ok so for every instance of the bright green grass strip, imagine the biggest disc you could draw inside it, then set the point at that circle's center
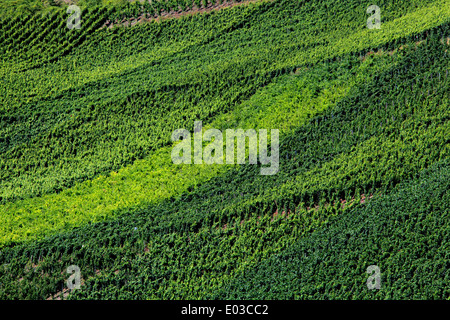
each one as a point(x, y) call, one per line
point(29, 173)
point(285, 104)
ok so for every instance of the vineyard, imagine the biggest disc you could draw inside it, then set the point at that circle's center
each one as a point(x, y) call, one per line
point(86, 176)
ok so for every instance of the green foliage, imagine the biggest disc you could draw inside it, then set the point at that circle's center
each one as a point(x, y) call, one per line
point(364, 126)
point(193, 245)
point(288, 102)
point(94, 106)
point(16, 8)
point(404, 233)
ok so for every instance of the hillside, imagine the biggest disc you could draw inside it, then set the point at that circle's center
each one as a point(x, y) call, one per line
point(87, 178)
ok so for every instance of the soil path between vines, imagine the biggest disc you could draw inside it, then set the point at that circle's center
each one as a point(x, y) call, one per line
point(179, 13)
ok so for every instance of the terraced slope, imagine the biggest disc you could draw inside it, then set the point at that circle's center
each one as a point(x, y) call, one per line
point(405, 233)
point(86, 174)
point(118, 96)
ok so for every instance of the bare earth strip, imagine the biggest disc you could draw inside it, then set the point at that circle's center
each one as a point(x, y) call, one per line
point(177, 14)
